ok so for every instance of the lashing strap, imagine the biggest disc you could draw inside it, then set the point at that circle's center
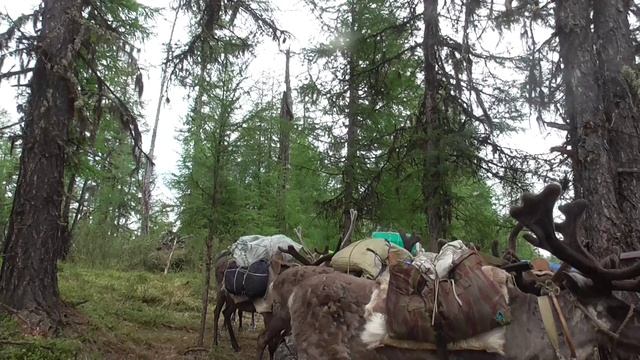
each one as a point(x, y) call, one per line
point(565, 327)
point(546, 312)
point(549, 322)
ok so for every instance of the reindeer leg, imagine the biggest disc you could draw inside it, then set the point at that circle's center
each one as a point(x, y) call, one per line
point(220, 302)
point(228, 311)
point(271, 335)
point(253, 321)
point(273, 346)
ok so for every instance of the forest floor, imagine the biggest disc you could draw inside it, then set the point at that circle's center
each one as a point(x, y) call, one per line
point(128, 315)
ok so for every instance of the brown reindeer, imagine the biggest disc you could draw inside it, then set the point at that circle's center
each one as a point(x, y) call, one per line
point(328, 311)
point(281, 288)
point(227, 304)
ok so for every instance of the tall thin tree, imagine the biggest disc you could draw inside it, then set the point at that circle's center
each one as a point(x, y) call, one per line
point(147, 181)
point(286, 123)
point(434, 178)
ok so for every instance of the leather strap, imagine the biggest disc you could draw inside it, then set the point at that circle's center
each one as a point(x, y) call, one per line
point(549, 322)
point(546, 311)
point(565, 328)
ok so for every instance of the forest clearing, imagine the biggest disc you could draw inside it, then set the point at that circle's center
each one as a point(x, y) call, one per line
point(370, 179)
point(125, 315)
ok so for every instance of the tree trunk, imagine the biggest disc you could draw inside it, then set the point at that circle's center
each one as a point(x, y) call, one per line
point(286, 122)
point(65, 241)
point(434, 187)
point(80, 207)
point(603, 129)
point(147, 181)
point(614, 51)
point(208, 244)
point(348, 174)
point(28, 279)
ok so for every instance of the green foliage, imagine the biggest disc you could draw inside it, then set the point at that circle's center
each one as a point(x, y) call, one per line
point(227, 183)
point(9, 162)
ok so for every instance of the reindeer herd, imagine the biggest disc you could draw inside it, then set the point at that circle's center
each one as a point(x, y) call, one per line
point(334, 315)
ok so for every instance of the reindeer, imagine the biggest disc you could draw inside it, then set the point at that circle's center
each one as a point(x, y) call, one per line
point(225, 303)
point(228, 305)
point(328, 311)
point(283, 285)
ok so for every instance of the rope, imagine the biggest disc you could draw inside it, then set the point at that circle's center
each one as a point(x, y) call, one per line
point(435, 302)
point(602, 327)
point(626, 320)
point(453, 286)
point(349, 257)
point(235, 276)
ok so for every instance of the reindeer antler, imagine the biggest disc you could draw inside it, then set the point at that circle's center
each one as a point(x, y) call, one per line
point(295, 254)
point(536, 213)
point(347, 236)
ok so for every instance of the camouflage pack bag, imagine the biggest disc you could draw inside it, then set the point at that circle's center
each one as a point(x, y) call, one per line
point(469, 302)
point(409, 305)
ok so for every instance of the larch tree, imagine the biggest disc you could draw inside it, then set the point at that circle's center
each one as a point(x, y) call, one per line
point(284, 146)
point(597, 53)
point(435, 190)
point(64, 55)
point(28, 279)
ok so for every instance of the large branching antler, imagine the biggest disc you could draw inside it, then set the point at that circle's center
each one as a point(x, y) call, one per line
point(304, 260)
point(295, 254)
point(536, 213)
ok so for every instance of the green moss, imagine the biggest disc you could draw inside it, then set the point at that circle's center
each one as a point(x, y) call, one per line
point(126, 314)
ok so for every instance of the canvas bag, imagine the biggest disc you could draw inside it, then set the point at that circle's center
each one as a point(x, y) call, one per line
point(409, 304)
point(251, 281)
point(356, 258)
point(251, 248)
point(482, 305)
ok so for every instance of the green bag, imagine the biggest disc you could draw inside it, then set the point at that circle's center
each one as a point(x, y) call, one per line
point(394, 238)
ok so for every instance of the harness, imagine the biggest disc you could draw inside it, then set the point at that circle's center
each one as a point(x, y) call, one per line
point(547, 303)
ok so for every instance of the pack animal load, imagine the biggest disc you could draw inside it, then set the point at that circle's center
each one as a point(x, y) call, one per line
point(251, 281)
point(251, 248)
point(366, 257)
point(448, 298)
point(248, 273)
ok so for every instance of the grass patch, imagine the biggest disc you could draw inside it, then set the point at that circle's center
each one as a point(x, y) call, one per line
point(128, 314)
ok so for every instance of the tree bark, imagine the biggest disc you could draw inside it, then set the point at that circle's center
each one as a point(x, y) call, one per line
point(603, 125)
point(614, 52)
point(434, 187)
point(286, 123)
point(208, 243)
point(28, 279)
point(348, 174)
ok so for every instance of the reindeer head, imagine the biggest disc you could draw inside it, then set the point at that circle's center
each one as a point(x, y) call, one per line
point(617, 320)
